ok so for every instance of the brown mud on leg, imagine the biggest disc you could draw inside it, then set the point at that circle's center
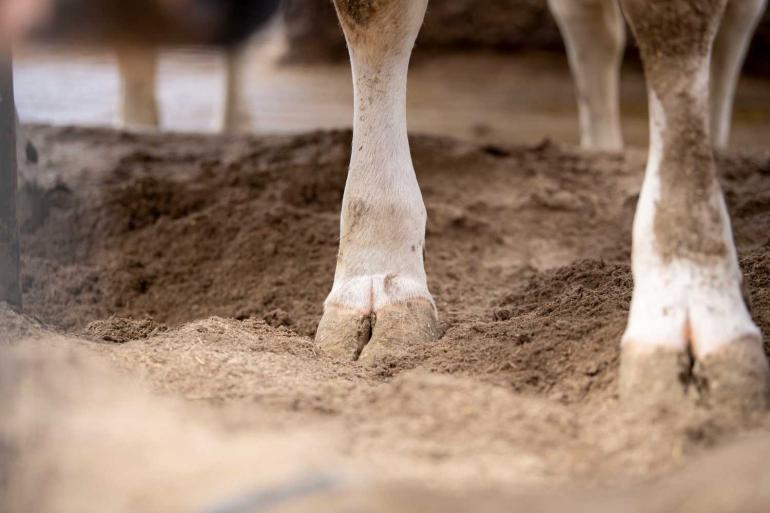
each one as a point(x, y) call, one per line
point(379, 304)
point(687, 296)
point(356, 14)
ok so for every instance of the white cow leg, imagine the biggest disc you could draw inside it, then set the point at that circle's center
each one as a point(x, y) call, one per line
point(137, 68)
point(688, 323)
point(235, 114)
point(379, 305)
point(595, 37)
point(740, 20)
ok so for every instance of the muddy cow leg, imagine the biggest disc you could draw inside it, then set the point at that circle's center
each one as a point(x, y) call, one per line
point(687, 300)
point(595, 36)
point(379, 304)
point(740, 20)
point(137, 68)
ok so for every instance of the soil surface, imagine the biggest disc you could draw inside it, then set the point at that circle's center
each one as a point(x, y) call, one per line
point(174, 282)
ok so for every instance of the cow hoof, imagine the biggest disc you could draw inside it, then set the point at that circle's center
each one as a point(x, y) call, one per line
point(343, 332)
point(373, 338)
point(399, 327)
point(653, 378)
point(735, 376)
point(690, 334)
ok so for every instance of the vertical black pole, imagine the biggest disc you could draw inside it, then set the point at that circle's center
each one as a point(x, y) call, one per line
point(10, 268)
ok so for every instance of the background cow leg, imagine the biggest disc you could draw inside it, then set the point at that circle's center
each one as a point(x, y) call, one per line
point(687, 299)
point(379, 304)
point(137, 68)
point(595, 36)
point(740, 20)
point(10, 267)
point(235, 112)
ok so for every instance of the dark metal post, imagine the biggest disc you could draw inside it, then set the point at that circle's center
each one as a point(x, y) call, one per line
point(10, 266)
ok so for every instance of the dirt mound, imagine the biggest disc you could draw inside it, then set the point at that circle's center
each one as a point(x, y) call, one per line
point(102, 440)
point(120, 329)
point(527, 248)
point(229, 245)
point(556, 335)
point(169, 234)
point(138, 231)
point(15, 326)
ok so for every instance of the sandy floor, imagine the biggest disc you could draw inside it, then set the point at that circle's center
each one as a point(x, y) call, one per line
point(490, 98)
point(175, 281)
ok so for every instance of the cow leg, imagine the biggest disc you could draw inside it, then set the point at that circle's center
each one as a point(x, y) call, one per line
point(234, 117)
point(740, 20)
point(10, 266)
point(595, 36)
point(687, 300)
point(137, 68)
point(379, 304)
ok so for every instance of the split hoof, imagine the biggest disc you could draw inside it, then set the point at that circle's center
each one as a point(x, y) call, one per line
point(734, 377)
point(372, 338)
